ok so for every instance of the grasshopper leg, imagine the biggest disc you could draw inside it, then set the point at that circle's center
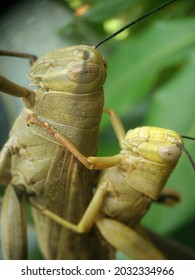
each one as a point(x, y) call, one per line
point(118, 235)
point(13, 226)
point(89, 162)
point(4, 159)
point(14, 89)
point(116, 124)
point(127, 240)
point(89, 217)
point(32, 58)
point(169, 197)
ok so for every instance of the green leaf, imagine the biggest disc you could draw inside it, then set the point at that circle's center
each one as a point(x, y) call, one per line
point(102, 10)
point(173, 103)
point(134, 68)
point(173, 107)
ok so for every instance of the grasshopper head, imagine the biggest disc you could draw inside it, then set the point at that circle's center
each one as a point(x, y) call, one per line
point(150, 155)
point(154, 144)
point(76, 69)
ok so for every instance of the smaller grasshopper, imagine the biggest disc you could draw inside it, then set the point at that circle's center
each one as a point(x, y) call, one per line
point(125, 192)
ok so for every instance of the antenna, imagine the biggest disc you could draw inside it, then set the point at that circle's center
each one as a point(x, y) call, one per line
point(188, 137)
point(187, 154)
point(186, 151)
point(133, 23)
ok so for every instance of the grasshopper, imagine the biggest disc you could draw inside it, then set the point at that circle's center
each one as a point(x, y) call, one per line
point(125, 191)
point(68, 81)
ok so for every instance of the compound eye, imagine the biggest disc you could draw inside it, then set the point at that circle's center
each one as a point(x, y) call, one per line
point(169, 153)
point(80, 73)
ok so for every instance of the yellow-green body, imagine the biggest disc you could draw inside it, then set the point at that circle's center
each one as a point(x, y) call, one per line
point(142, 173)
point(70, 98)
point(148, 156)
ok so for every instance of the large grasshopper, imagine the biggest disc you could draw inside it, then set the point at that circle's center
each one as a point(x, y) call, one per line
point(125, 191)
point(42, 167)
point(49, 175)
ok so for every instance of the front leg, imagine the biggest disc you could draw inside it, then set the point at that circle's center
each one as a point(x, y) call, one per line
point(89, 162)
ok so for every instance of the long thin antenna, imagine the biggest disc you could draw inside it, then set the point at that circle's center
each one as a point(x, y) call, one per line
point(188, 137)
point(186, 151)
point(133, 23)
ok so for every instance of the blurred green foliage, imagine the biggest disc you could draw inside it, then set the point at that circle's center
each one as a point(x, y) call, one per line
point(150, 81)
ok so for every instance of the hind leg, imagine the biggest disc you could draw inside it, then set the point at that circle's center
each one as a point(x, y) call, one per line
point(127, 240)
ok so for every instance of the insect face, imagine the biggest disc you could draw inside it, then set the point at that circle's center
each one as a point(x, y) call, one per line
point(155, 144)
point(76, 69)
